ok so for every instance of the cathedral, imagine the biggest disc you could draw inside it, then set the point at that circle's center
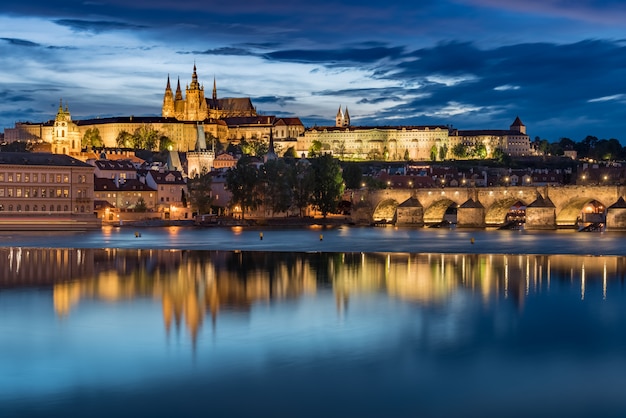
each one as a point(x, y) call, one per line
point(195, 107)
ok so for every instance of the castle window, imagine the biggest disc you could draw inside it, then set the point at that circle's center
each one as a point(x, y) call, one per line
point(43, 208)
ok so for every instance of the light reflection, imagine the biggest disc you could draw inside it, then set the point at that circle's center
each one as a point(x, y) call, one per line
point(195, 285)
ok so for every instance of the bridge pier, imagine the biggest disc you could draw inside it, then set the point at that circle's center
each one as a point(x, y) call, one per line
point(470, 214)
point(616, 216)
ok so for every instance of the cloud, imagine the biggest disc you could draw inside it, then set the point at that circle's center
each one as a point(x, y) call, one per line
point(96, 26)
point(341, 55)
point(604, 11)
point(227, 51)
point(606, 98)
point(20, 42)
point(282, 101)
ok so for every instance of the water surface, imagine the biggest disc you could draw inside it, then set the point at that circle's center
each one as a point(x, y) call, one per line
point(141, 332)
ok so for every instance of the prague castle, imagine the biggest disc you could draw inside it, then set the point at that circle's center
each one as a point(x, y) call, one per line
point(195, 107)
point(235, 119)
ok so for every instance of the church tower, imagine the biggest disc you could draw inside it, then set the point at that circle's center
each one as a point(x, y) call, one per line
point(343, 118)
point(195, 104)
point(66, 137)
point(518, 126)
point(168, 101)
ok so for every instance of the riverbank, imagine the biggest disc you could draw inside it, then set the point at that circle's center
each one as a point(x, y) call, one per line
point(230, 222)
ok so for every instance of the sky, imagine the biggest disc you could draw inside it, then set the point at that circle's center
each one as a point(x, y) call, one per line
point(560, 65)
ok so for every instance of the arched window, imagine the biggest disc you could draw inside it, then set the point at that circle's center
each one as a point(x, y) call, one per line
point(10, 208)
point(27, 208)
point(19, 208)
point(58, 208)
point(82, 209)
point(65, 208)
point(35, 208)
point(43, 208)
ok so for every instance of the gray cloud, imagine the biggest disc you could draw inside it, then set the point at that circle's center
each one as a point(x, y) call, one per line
point(96, 26)
point(20, 42)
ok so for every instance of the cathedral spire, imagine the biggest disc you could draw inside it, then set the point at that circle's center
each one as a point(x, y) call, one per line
point(179, 93)
point(168, 87)
point(194, 78)
point(214, 89)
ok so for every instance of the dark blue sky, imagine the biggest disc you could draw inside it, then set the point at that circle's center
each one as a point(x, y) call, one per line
point(560, 65)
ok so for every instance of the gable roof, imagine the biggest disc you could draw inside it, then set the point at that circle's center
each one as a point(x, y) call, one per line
point(40, 159)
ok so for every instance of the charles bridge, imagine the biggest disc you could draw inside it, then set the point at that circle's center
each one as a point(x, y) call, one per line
point(542, 207)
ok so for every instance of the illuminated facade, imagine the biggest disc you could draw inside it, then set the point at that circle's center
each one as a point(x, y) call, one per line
point(379, 142)
point(46, 191)
point(195, 107)
point(410, 142)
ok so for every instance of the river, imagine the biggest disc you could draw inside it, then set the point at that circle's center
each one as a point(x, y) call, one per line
point(312, 322)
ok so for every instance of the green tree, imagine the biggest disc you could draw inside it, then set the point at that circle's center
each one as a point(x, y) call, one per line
point(352, 175)
point(243, 183)
point(145, 137)
point(165, 143)
point(92, 138)
point(443, 152)
point(290, 153)
point(328, 184)
point(141, 206)
point(199, 191)
point(479, 151)
point(433, 153)
point(254, 147)
point(501, 157)
point(277, 193)
point(124, 139)
point(315, 150)
point(302, 182)
point(459, 150)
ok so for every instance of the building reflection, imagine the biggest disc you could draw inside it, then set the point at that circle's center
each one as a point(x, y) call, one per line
point(195, 287)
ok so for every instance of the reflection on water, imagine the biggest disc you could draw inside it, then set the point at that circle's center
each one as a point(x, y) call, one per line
point(194, 285)
point(138, 332)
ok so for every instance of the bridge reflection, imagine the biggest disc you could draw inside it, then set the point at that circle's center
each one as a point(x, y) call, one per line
point(196, 286)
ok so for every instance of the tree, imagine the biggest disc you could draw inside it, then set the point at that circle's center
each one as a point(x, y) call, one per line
point(92, 138)
point(301, 185)
point(165, 143)
point(352, 175)
point(501, 157)
point(254, 147)
point(328, 184)
point(275, 176)
point(315, 150)
point(443, 152)
point(290, 153)
point(243, 183)
point(199, 191)
point(145, 137)
point(479, 151)
point(124, 139)
point(433, 153)
point(459, 150)
point(141, 206)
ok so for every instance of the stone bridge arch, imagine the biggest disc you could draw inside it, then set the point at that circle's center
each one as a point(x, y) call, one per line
point(385, 210)
point(495, 215)
point(569, 215)
point(436, 211)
